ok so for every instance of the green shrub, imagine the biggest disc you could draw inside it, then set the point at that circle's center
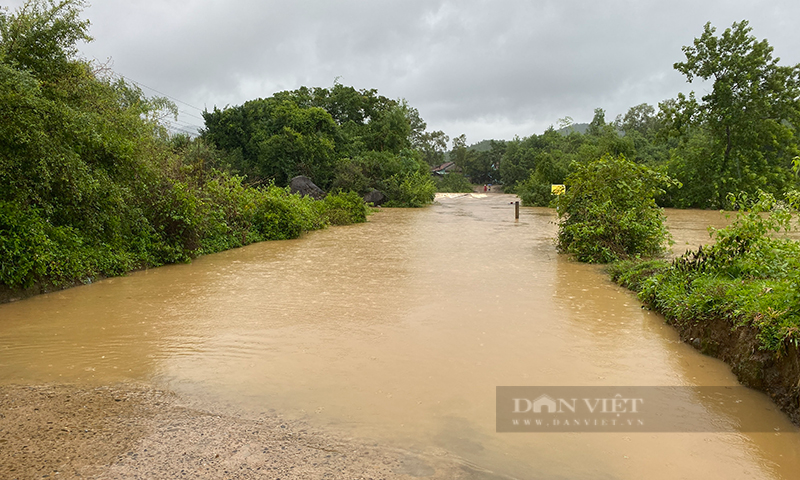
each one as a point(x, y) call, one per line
point(453, 183)
point(92, 184)
point(534, 193)
point(609, 213)
point(410, 190)
point(24, 245)
point(404, 178)
point(632, 273)
point(344, 208)
point(273, 215)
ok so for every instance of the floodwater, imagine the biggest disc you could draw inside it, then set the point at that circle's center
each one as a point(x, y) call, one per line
point(398, 331)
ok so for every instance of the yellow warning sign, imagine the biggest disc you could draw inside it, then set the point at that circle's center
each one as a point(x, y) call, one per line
point(557, 189)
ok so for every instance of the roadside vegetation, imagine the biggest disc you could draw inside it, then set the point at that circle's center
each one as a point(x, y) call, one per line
point(735, 148)
point(341, 138)
point(750, 276)
point(453, 183)
point(92, 184)
point(609, 211)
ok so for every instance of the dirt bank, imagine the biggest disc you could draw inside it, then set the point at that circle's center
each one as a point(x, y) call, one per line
point(776, 374)
point(131, 431)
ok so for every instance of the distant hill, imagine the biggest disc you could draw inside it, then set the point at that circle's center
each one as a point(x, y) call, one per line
point(482, 146)
point(486, 145)
point(575, 127)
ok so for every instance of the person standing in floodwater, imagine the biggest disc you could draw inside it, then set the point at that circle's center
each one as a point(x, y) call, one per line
point(490, 187)
point(484, 188)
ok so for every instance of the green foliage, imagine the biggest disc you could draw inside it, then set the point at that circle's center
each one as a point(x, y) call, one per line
point(275, 139)
point(344, 208)
point(740, 137)
point(414, 189)
point(749, 276)
point(404, 178)
point(453, 183)
point(743, 134)
point(341, 138)
point(481, 161)
point(534, 192)
point(609, 213)
point(90, 184)
point(432, 146)
point(633, 273)
point(42, 36)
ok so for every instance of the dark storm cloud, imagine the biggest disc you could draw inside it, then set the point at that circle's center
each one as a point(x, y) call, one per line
point(484, 68)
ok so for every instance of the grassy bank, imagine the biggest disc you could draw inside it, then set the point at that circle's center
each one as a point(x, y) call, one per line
point(182, 220)
point(738, 300)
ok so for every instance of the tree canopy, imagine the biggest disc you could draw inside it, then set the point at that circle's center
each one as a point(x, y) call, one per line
point(742, 135)
point(334, 136)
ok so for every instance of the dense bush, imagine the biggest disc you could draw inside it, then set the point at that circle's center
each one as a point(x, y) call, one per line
point(609, 213)
point(342, 138)
point(344, 208)
point(453, 183)
point(404, 178)
point(535, 193)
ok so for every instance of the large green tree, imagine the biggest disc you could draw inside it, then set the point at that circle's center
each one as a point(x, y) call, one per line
point(276, 139)
point(310, 130)
point(742, 135)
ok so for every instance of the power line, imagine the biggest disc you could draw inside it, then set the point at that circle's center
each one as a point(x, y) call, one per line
point(190, 115)
point(175, 129)
point(161, 93)
point(184, 124)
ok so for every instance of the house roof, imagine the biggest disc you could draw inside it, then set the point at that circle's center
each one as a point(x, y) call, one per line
point(443, 167)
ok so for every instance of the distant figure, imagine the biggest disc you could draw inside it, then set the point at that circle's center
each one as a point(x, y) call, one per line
point(490, 187)
point(484, 188)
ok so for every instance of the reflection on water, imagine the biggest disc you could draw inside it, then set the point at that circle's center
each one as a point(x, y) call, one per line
point(399, 330)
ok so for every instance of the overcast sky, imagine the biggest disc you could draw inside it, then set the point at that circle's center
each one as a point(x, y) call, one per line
point(488, 69)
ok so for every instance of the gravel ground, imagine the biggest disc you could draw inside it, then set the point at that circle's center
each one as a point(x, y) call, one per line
point(136, 432)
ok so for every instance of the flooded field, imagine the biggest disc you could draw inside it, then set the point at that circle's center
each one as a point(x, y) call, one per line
point(398, 331)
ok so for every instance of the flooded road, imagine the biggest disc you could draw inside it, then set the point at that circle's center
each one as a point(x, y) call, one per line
point(399, 331)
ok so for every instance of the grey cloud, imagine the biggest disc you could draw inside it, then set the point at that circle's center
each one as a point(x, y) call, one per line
point(484, 68)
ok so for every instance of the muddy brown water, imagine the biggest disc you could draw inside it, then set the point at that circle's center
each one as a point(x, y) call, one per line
point(398, 331)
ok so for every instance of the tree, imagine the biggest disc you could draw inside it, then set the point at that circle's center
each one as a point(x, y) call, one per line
point(459, 152)
point(42, 36)
point(432, 146)
point(276, 139)
point(481, 167)
point(640, 118)
point(643, 128)
point(750, 118)
point(311, 130)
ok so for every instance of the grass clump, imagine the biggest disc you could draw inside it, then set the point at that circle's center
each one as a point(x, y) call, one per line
point(750, 276)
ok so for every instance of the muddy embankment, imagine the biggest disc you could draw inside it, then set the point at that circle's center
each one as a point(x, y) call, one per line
point(776, 374)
